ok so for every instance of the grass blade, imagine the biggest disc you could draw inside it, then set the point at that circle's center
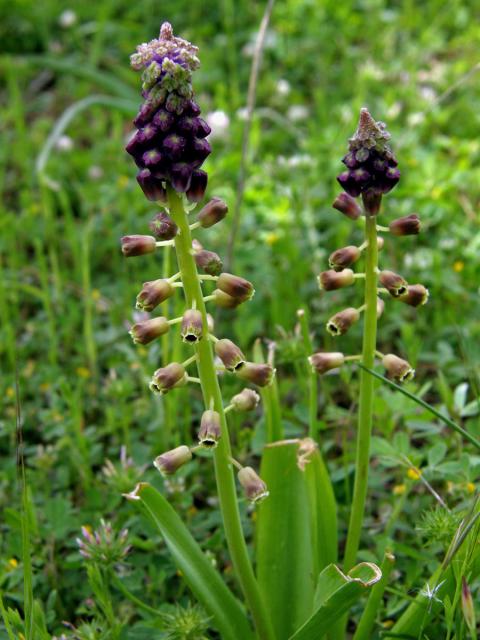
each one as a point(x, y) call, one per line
point(456, 427)
point(204, 581)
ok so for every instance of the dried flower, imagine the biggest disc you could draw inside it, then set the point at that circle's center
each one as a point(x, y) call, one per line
point(235, 286)
point(406, 226)
point(348, 206)
point(231, 355)
point(170, 461)
point(192, 326)
point(323, 362)
point(254, 487)
point(167, 378)
point(397, 369)
point(344, 257)
point(395, 284)
point(210, 429)
point(137, 245)
point(153, 293)
point(146, 331)
point(341, 322)
point(416, 295)
point(258, 373)
point(246, 400)
point(208, 261)
point(214, 211)
point(330, 280)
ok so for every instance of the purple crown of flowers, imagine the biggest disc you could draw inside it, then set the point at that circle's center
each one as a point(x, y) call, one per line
point(170, 144)
point(371, 164)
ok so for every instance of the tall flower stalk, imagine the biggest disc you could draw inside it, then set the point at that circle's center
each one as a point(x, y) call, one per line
point(169, 149)
point(371, 172)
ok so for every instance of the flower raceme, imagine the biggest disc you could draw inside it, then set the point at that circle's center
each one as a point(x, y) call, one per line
point(169, 148)
point(372, 172)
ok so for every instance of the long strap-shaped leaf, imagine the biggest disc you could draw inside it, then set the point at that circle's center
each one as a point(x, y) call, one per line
point(285, 553)
point(335, 595)
point(205, 582)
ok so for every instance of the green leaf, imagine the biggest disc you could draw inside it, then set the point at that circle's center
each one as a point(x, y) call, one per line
point(336, 593)
point(323, 508)
point(285, 560)
point(228, 615)
point(437, 454)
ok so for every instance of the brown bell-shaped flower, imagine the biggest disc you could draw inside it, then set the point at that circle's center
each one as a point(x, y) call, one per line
point(397, 369)
point(348, 206)
point(344, 257)
point(170, 461)
point(331, 280)
point(192, 326)
point(210, 429)
point(341, 322)
point(153, 293)
point(246, 400)
point(323, 362)
point(257, 373)
point(394, 283)
point(137, 245)
point(255, 488)
point(416, 295)
point(167, 378)
point(406, 226)
point(231, 355)
point(235, 286)
point(146, 331)
point(214, 211)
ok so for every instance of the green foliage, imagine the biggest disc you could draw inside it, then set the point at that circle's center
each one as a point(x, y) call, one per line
point(66, 296)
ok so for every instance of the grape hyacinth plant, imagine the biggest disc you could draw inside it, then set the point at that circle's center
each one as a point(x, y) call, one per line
point(371, 172)
point(169, 148)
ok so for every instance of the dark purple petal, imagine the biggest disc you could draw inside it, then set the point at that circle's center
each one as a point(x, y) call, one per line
point(203, 128)
point(180, 176)
point(164, 120)
point(201, 149)
point(174, 146)
point(152, 187)
point(198, 186)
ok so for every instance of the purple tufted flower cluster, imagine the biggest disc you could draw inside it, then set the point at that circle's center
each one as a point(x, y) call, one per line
point(371, 164)
point(170, 143)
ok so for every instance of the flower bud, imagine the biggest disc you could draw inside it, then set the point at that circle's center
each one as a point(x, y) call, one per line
point(231, 355)
point(210, 323)
point(145, 332)
point(372, 201)
point(341, 322)
point(210, 429)
point(208, 261)
point(397, 369)
point(225, 300)
point(170, 461)
point(254, 487)
point(192, 326)
point(153, 293)
point(406, 226)
point(151, 186)
point(348, 206)
point(323, 362)
point(468, 607)
point(380, 307)
point(198, 185)
point(257, 373)
point(212, 212)
point(330, 280)
point(394, 283)
point(168, 378)
point(181, 176)
point(342, 258)
point(163, 227)
point(173, 146)
point(235, 286)
point(246, 400)
point(415, 296)
point(137, 245)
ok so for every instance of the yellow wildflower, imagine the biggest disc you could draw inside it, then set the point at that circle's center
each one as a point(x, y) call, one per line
point(398, 489)
point(413, 473)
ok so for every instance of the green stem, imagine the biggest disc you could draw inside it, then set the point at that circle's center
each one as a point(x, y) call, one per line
point(211, 391)
point(312, 377)
point(365, 408)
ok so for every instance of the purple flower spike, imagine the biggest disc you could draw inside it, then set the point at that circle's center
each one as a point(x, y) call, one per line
point(203, 128)
point(198, 186)
point(201, 149)
point(181, 176)
point(187, 125)
point(152, 187)
point(152, 159)
point(163, 120)
point(371, 163)
point(174, 146)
